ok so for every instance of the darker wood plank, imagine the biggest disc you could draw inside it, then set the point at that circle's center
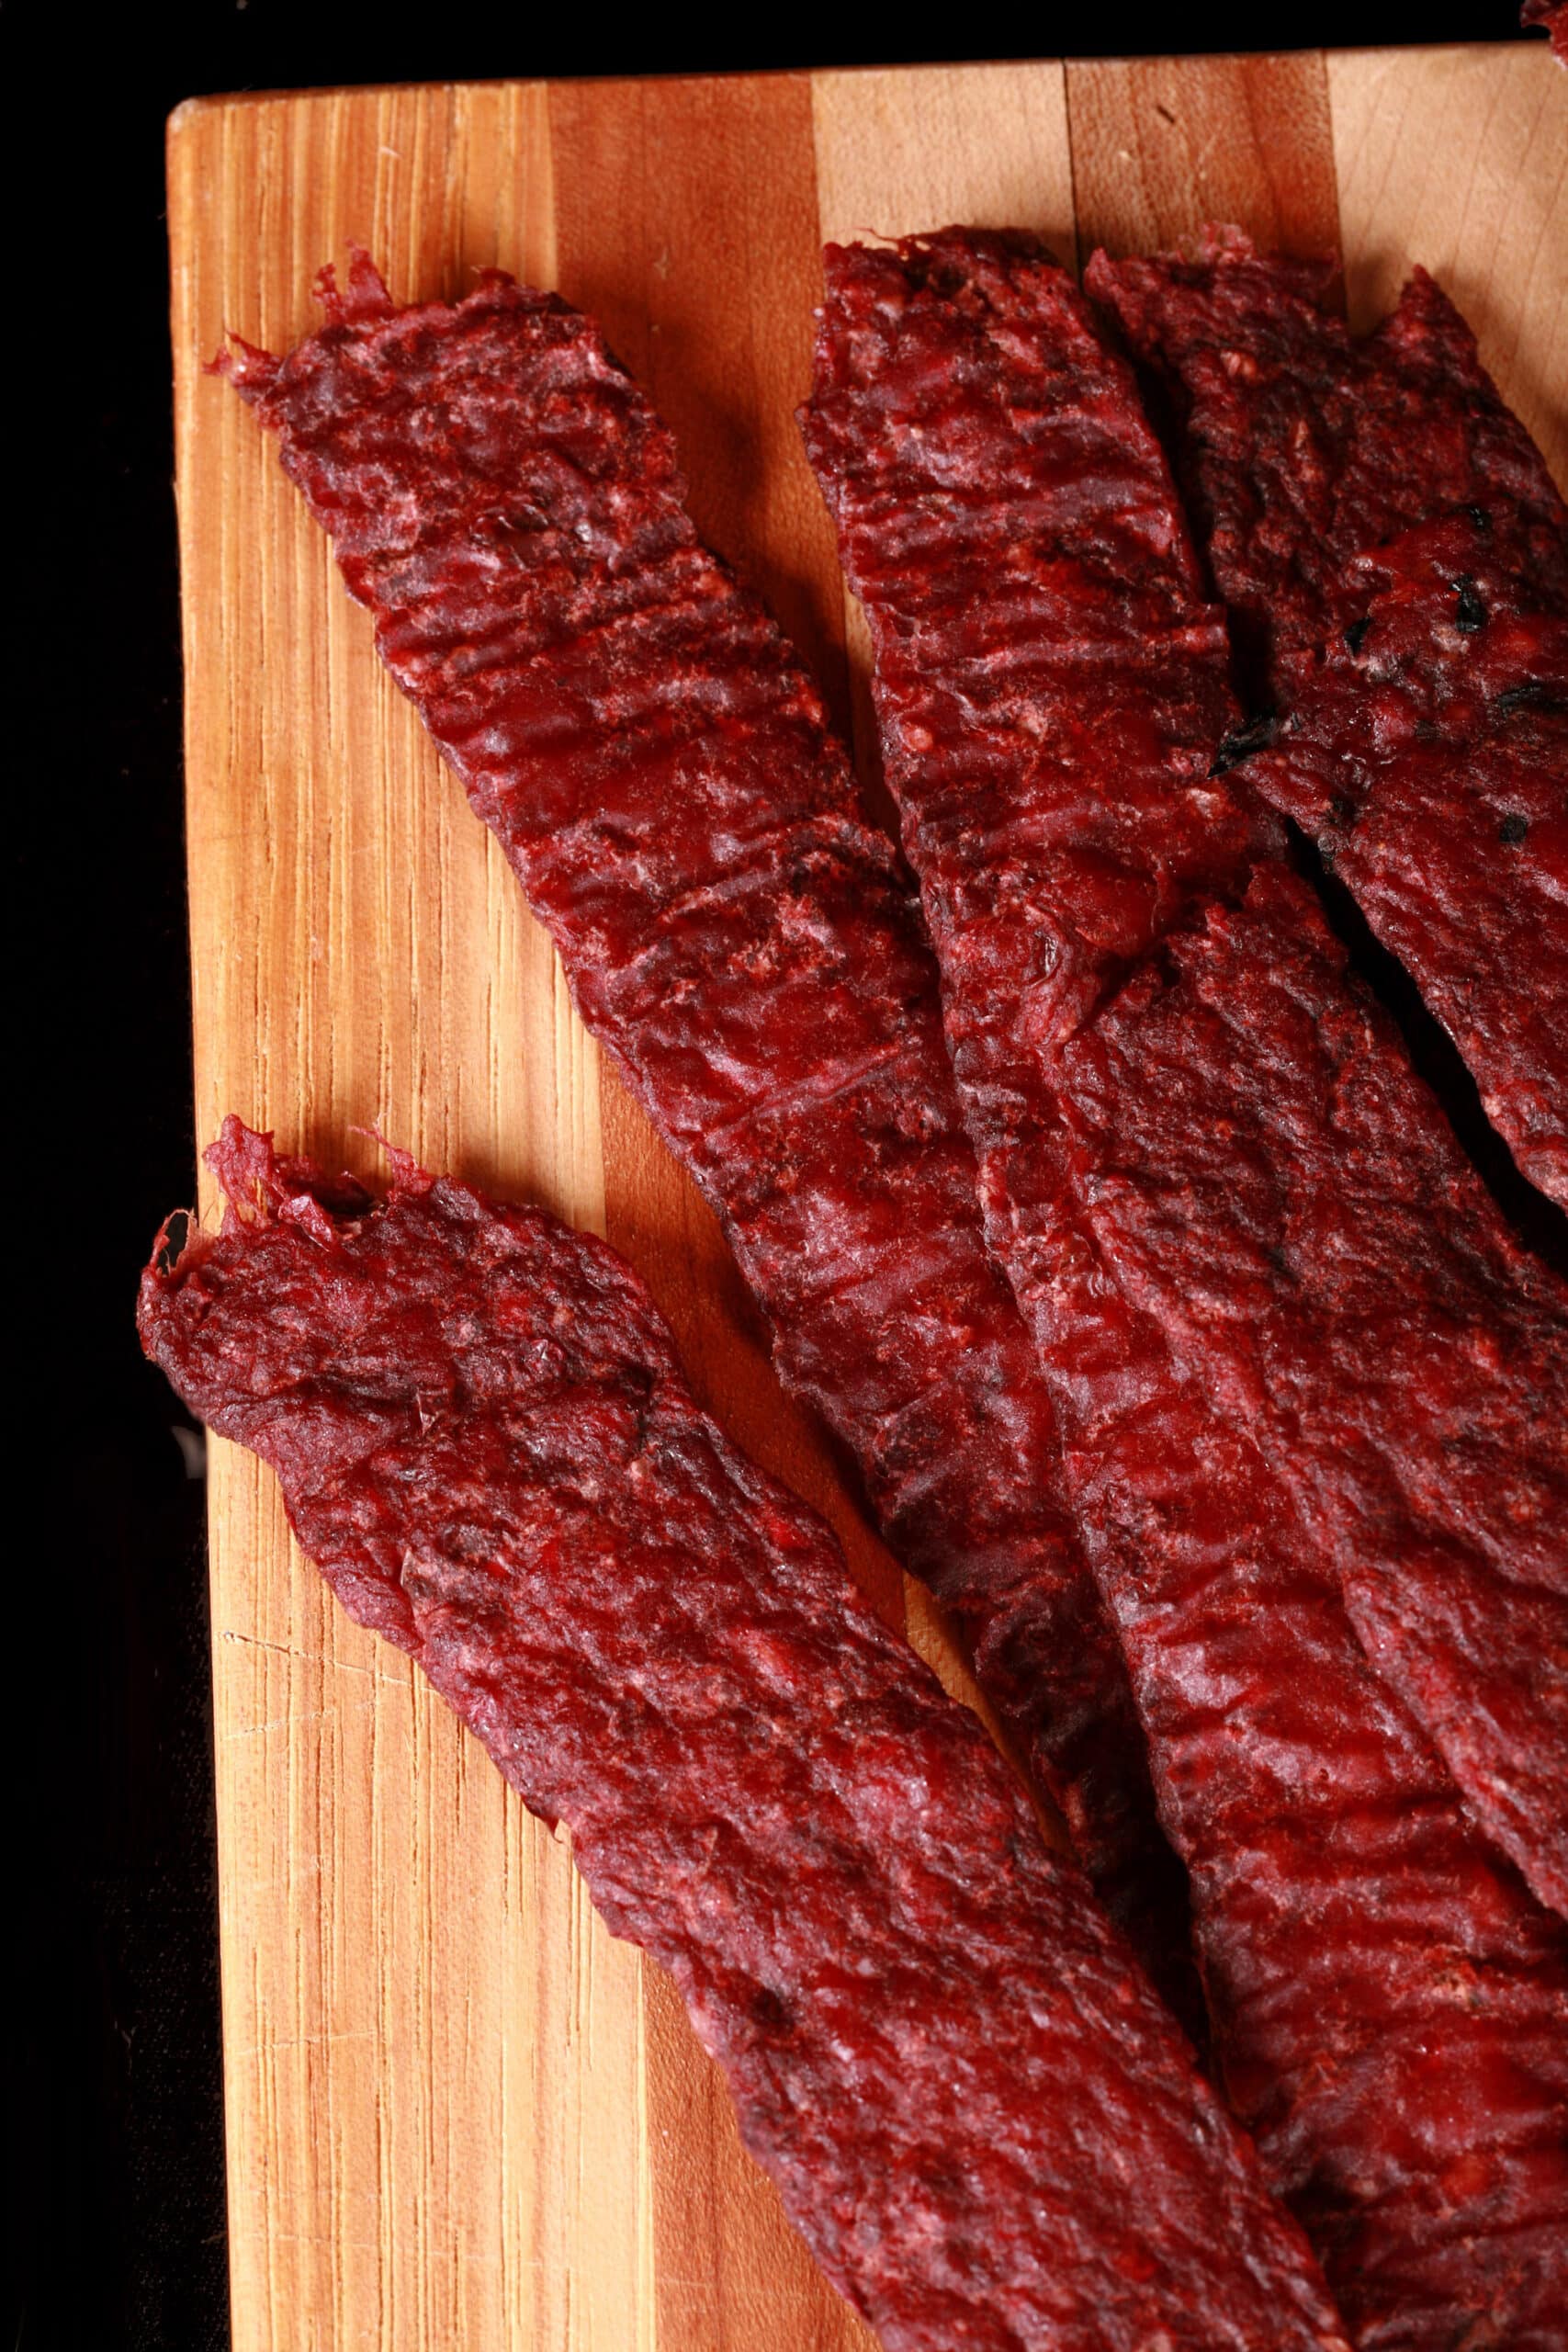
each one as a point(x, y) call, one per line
point(686, 220)
point(1162, 145)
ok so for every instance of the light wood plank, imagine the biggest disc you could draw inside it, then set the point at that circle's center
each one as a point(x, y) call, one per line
point(436, 2129)
point(910, 148)
point(1458, 159)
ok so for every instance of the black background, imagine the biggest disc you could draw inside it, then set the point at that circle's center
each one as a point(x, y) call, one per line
point(115, 2204)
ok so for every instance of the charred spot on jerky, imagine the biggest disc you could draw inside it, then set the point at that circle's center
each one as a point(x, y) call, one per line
point(1530, 694)
point(772, 2011)
point(1471, 612)
point(1480, 517)
point(1513, 828)
point(1342, 814)
point(1242, 742)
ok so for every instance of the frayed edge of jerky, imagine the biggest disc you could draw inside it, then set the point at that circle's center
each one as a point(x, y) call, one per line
point(262, 1186)
point(246, 366)
point(365, 296)
point(361, 301)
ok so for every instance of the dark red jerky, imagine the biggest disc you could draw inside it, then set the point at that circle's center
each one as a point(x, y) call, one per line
point(658, 769)
point(1552, 18)
point(1426, 752)
point(1396, 549)
point(1185, 1122)
point(1370, 1236)
point(981, 2119)
point(1305, 449)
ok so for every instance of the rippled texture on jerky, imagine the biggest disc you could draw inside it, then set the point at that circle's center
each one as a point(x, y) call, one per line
point(1173, 1096)
point(658, 769)
point(1307, 448)
point(1076, 673)
point(1397, 553)
point(982, 2121)
point(1426, 752)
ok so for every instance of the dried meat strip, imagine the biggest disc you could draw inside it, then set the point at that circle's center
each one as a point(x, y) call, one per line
point(944, 2056)
point(1205, 1168)
point(1397, 553)
point(1103, 837)
point(658, 769)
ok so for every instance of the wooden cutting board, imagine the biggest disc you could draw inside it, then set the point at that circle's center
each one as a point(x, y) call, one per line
point(458, 2113)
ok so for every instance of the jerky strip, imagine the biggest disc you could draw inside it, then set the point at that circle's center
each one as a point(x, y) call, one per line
point(1334, 1223)
point(948, 2060)
point(1171, 1090)
point(657, 767)
point(1397, 553)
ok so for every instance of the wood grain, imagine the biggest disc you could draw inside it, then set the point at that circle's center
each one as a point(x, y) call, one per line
point(1162, 145)
point(906, 149)
point(459, 2113)
point(436, 2119)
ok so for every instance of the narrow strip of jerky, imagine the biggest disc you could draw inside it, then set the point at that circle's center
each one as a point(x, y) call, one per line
point(658, 769)
point(1216, 1188)
point(981, 2119)
point(1397, 554)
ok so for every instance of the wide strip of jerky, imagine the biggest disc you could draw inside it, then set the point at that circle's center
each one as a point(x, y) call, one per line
point(1396, 554)
point(1178, 1104)
point(981, 2119)
point(658, 769)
